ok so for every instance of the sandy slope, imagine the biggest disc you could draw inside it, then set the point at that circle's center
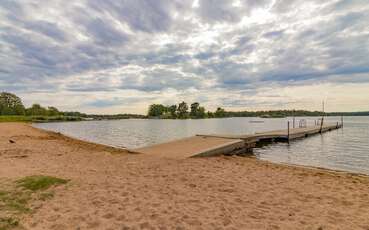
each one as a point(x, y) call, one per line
point(125, 191)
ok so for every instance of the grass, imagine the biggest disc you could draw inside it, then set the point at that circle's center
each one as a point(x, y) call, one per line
point(15, 119)
point(17, 197)
point(5, 118)
point(15, 201)
point(35, 183)
point(8, 223)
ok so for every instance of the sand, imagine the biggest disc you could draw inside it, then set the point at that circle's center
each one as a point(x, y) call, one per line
point(111, 189)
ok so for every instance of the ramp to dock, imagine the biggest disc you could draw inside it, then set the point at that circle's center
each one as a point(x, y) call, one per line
point(192, 147)
point(213, 145)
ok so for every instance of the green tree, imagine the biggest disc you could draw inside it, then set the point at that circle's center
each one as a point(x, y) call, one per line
point(201, 113)
point(194, 109)
point(197, 111)
point(52, 111)
point(182, 110)
point(210, 114)
point(172, 110)
point(219, 112)
point(156, 110)
point(10, 104)
point(36, 110)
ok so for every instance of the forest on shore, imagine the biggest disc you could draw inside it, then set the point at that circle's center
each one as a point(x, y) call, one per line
point(12, 109)
point(195, 111)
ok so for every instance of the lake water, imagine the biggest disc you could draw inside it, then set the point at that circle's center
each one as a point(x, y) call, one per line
point(344, 149)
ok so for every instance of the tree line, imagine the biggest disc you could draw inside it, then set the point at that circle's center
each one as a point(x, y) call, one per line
point(182, 111)
point(11, 104)
point(195, 111)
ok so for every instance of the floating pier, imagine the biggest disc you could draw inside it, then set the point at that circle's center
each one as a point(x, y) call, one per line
point(213, 145)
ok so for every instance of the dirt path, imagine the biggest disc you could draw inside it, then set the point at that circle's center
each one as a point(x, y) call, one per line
point(111, 189)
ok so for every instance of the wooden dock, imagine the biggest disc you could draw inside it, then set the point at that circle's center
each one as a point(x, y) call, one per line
point(213, 145)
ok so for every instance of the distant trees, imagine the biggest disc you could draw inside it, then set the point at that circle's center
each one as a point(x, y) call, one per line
point(35, 110)
point(52, 111)
point(10, 104)
point(220, 112)
point(182, 110)
point(197, 111)
point(156, 110)
point(173, 111)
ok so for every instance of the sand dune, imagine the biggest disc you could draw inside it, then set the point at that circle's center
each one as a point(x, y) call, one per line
point(111, 189)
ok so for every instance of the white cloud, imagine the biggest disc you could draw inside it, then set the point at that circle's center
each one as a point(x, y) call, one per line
point(109, 56)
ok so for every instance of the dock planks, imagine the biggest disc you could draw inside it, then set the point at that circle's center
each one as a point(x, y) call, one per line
point(193, 146)
point(213, 145)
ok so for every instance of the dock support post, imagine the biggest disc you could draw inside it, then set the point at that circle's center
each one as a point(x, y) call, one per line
point(342, 121)
point(321, 124)
point(288, 131)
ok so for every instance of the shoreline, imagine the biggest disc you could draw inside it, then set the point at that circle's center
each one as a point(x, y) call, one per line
point(80, 141)
point(129, 151)
point(109, 190)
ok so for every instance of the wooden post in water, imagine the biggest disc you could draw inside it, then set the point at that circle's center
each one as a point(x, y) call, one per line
point(321, 123)
point(342, 121)
point(288, 131)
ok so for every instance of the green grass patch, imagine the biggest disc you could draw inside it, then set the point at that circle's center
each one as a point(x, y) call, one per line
point(14, 201)
point(5, 118)
point(19, 197)
point(15, 119)
point(8, 223)
point(35, 183)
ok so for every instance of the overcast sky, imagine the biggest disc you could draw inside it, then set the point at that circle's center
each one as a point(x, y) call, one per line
point(119, 56)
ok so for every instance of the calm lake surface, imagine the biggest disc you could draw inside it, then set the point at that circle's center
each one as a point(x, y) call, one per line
point(344, 149)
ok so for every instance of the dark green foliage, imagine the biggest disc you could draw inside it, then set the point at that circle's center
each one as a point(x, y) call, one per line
point(10, 104)
point(73, 114)
point(197, 111)
point(36, 110)
point(194, 109)
point(173, 111)
point(220, 113)
point(182, 110)
point(12, 110)
point(52, 111)
point(156, 110)
point(113, 117)
point(210, 114)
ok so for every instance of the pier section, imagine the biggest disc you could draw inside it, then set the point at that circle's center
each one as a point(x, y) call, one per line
point(213, 145)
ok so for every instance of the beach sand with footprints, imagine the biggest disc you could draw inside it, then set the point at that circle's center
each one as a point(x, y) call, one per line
point(111, 189)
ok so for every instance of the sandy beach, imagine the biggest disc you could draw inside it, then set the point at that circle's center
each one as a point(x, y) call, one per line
point(112, 189)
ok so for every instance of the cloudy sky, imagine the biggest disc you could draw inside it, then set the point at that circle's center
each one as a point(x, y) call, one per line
point(116, 56)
